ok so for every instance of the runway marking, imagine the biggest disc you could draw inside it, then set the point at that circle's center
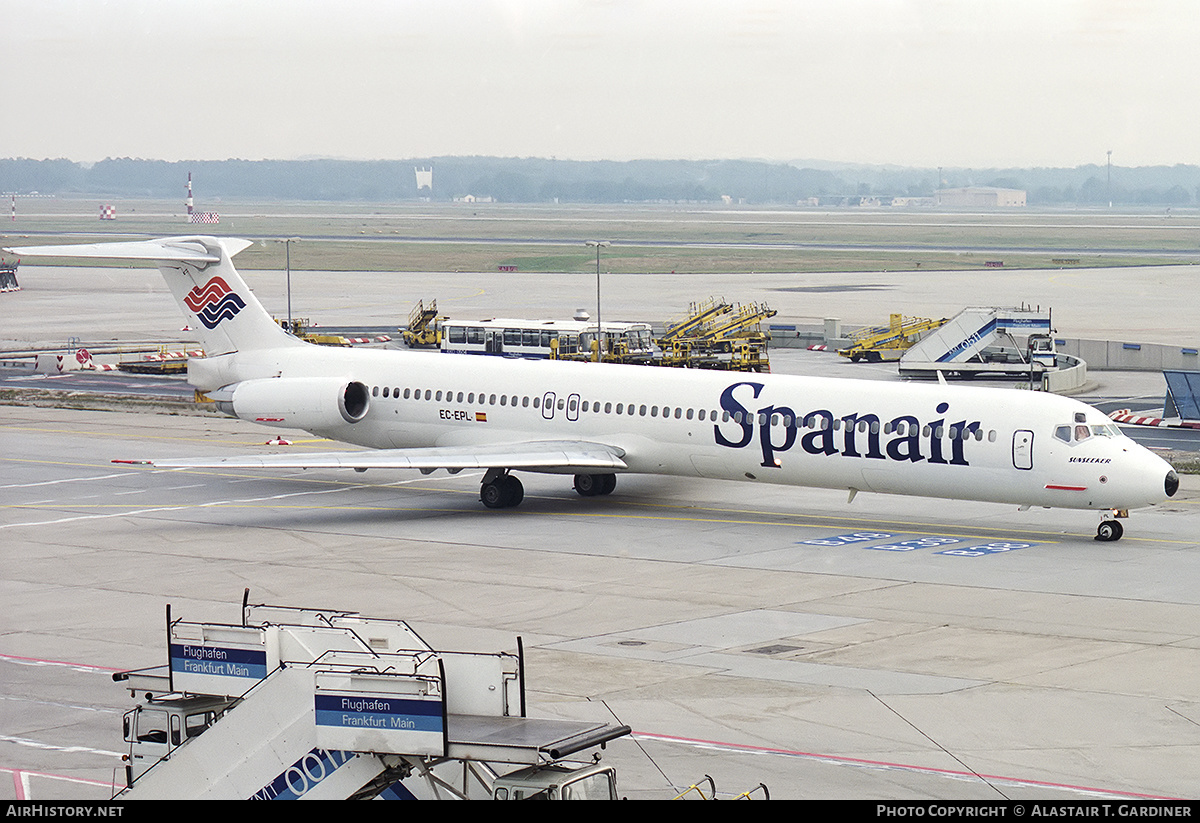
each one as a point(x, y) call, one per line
point(35, 744)
point(67, 480)
point(238, 440)
point(211, 504)
point(21, 780)
point(35, 661)
point(886, 765)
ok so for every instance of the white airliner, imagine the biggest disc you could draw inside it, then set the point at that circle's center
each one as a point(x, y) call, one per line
point(432, 411)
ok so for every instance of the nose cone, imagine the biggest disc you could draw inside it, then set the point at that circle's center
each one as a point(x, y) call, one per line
point(1171, 485)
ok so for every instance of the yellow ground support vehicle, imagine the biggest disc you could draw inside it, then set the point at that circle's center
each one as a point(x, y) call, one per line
point(878, 343)
point(424, 329)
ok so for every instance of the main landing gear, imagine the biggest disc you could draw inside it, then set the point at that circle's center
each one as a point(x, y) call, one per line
point(501, 490)
point(1110, 528)
point(590, 485)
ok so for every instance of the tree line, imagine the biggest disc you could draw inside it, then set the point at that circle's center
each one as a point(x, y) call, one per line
point(536, 180)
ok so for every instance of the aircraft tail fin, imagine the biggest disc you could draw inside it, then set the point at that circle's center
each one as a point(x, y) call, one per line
point(199, 271)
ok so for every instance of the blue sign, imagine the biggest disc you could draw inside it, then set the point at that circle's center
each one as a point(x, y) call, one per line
point(218, 661)
point(359, 711)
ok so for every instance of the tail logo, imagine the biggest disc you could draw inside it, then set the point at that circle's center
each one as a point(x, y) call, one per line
point(214, 302)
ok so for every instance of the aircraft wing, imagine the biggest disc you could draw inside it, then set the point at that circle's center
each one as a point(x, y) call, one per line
point(545, 455)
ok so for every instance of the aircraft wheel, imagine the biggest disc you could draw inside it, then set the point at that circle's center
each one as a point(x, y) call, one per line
point(589, 485)
point(1109, 530)
point(493, 494)
point(502, 493)
point(514, 491)
point(609, 482)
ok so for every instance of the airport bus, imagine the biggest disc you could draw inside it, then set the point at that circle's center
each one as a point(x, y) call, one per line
point(544, 339)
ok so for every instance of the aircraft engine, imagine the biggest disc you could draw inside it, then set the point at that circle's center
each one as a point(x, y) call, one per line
point(309, 403)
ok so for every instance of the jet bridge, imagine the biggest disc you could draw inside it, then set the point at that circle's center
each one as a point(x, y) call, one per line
point(985, 340)
point(319, 704)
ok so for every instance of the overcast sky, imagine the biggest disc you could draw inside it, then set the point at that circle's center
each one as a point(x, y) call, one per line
point(975, 83)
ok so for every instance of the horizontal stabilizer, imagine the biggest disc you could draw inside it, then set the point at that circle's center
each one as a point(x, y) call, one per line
point(168, 249)
point(533, 456)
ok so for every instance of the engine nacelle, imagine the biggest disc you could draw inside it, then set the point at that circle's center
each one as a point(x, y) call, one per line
point(310, 403)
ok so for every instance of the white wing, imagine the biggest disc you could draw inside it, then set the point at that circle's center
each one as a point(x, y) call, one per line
point(545, 455)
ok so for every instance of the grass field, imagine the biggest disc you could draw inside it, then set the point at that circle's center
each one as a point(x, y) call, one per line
point(645, 238)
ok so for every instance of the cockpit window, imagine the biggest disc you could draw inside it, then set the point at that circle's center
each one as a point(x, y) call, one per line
point(1080, 432)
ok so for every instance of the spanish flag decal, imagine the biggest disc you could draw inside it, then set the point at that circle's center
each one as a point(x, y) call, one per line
point(480, 417)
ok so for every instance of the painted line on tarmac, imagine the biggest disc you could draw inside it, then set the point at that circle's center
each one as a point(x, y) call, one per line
point(886, 765)
point(211, 504)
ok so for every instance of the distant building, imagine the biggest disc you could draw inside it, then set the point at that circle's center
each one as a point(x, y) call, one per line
point(980, 197)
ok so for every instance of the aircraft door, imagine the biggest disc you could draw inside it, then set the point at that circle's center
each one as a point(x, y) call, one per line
point(548, 405)
point(573, 407)
point(1022, 449)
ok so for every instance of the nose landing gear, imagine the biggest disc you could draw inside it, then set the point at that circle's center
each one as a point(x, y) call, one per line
point(1110, 528)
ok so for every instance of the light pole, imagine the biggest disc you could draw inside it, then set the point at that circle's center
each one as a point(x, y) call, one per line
point(599, 244)
point(287, 245)
point(1108, 179)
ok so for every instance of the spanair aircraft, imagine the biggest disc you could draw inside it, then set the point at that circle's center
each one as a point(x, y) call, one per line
point(429, 411)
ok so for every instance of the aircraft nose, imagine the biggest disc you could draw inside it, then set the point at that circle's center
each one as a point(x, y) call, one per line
point(1172, 483)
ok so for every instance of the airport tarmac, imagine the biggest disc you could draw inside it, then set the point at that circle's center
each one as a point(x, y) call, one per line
point(1141, 305)
point(893, 648)
point(753, 633)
